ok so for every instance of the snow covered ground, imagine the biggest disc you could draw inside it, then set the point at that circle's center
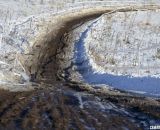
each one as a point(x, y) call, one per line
point(126, 43)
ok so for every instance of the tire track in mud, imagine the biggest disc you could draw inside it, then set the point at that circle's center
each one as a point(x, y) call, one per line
point(46, 110)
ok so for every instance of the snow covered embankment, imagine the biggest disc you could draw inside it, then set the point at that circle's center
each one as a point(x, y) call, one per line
point(126, 43)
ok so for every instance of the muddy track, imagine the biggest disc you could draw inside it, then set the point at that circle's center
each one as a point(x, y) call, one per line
point(48, 110)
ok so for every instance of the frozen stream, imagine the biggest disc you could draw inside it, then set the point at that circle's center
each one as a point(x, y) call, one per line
point(149, 86)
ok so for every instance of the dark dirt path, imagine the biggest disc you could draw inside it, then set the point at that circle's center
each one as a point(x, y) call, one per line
point(48, 110)
point(62, 108)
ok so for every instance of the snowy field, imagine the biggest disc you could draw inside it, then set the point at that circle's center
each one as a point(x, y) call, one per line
point(126, 43)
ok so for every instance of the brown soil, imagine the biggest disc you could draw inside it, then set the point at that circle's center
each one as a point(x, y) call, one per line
point(48, 110)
